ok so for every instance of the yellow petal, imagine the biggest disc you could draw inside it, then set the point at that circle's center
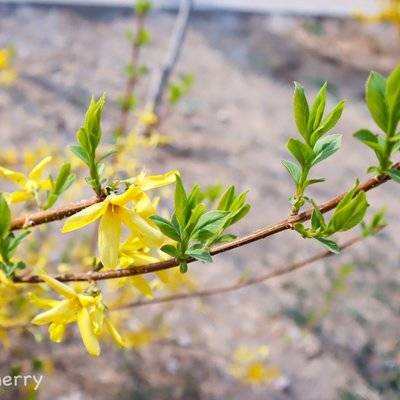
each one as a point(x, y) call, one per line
point(85, 217)
point(6, 281)
point(128, 195)
point(60, 313)
point(114, 333)
point(57, 332)
point(59, 287)
point(88, 337)
point(163, 276)
point(37, 171)
point(42, 302)
point(148, 234)
point(45, 184)
point(16, 177)
point(145, 207)
point(156, 181)
point(17, 197)
point(142, 285)
point(109, 238)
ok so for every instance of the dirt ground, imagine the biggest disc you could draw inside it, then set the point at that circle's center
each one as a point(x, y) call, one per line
point(232, 128)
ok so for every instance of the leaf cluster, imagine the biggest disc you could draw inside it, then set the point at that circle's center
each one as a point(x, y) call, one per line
point(383, 100)
point(63, 182)
point(349, 212)
point(9, 241)
point(315, 145)
point(194, 228)
point(88, 137)
point(180, 88)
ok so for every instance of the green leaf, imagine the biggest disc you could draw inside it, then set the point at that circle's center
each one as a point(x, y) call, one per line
point(329, 244)
point(329, 122)
point(326, 146)
point(376, 99)
point(143, 37)
point(393, 94)
point(301, 110)
point(302, 152)
point(81, 153)
point(166, 227)
point(200, 254)
point(394, 174)
point(142, 7)
point(197, 212)
point(349, 215)
point(170, 250)
point(5, 217)
point(183, 267)
point(317, 109)
point(239, 214)
point(368, 138)
point(226, 199)
point(180, 201)
point(317, 219)
point(211, 220)
point(293, 169)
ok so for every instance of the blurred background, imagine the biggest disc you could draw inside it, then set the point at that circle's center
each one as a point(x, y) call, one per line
point(327, 332)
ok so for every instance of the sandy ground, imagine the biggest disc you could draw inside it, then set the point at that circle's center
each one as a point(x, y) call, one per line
point(233, 129)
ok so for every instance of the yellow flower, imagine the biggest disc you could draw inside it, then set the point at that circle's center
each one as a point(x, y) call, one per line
point(84, 308)
point(7, 74)
point(29, 184)
point(113, 213)
point(147, 118)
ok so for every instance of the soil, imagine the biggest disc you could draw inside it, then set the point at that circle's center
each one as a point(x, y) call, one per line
point(232, 128)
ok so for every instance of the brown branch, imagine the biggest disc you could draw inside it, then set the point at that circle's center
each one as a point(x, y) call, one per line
point(44, 217)
point(262, 233)
point(276, 272)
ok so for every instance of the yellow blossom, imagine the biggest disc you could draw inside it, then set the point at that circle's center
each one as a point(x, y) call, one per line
point(7, 74)
point(30, 184)
point(113, 213)
point(87, 309)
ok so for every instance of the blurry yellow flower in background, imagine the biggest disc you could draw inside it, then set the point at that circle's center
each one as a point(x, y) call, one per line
point(87, 309)
point(7, 74)
point(113, 213)
point(249, 365)
point(30, 185)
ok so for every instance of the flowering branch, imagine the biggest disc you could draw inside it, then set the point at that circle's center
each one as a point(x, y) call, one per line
point(262, 233)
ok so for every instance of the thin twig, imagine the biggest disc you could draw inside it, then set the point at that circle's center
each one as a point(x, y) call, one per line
point(133, 78)
point(242, 283)
point(286, 224)
point(162, 76)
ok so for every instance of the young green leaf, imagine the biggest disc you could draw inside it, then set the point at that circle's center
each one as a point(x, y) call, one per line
point(166, 227)
point(5, 217)
point(331, 245)
point(301, 110)
point(293, 169)
point(326, 146)
point(376, 99)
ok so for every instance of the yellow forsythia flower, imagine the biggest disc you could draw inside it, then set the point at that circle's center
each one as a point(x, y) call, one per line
point(84, 308)
point(113, 213)
point(7, 74)
point(29, 184)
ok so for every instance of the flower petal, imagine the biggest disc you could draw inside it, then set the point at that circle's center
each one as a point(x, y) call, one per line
point(109, 238)
point(57, 332)
point(156, 181)
point(37, 171)
point(88, 337)
point(142, 285)
point(19, 196)
point(148, 234)
point(85, 217)
point(128, 195)
point(114, 333)
point(60, 314)
point(59, 287)
point(16, 177)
